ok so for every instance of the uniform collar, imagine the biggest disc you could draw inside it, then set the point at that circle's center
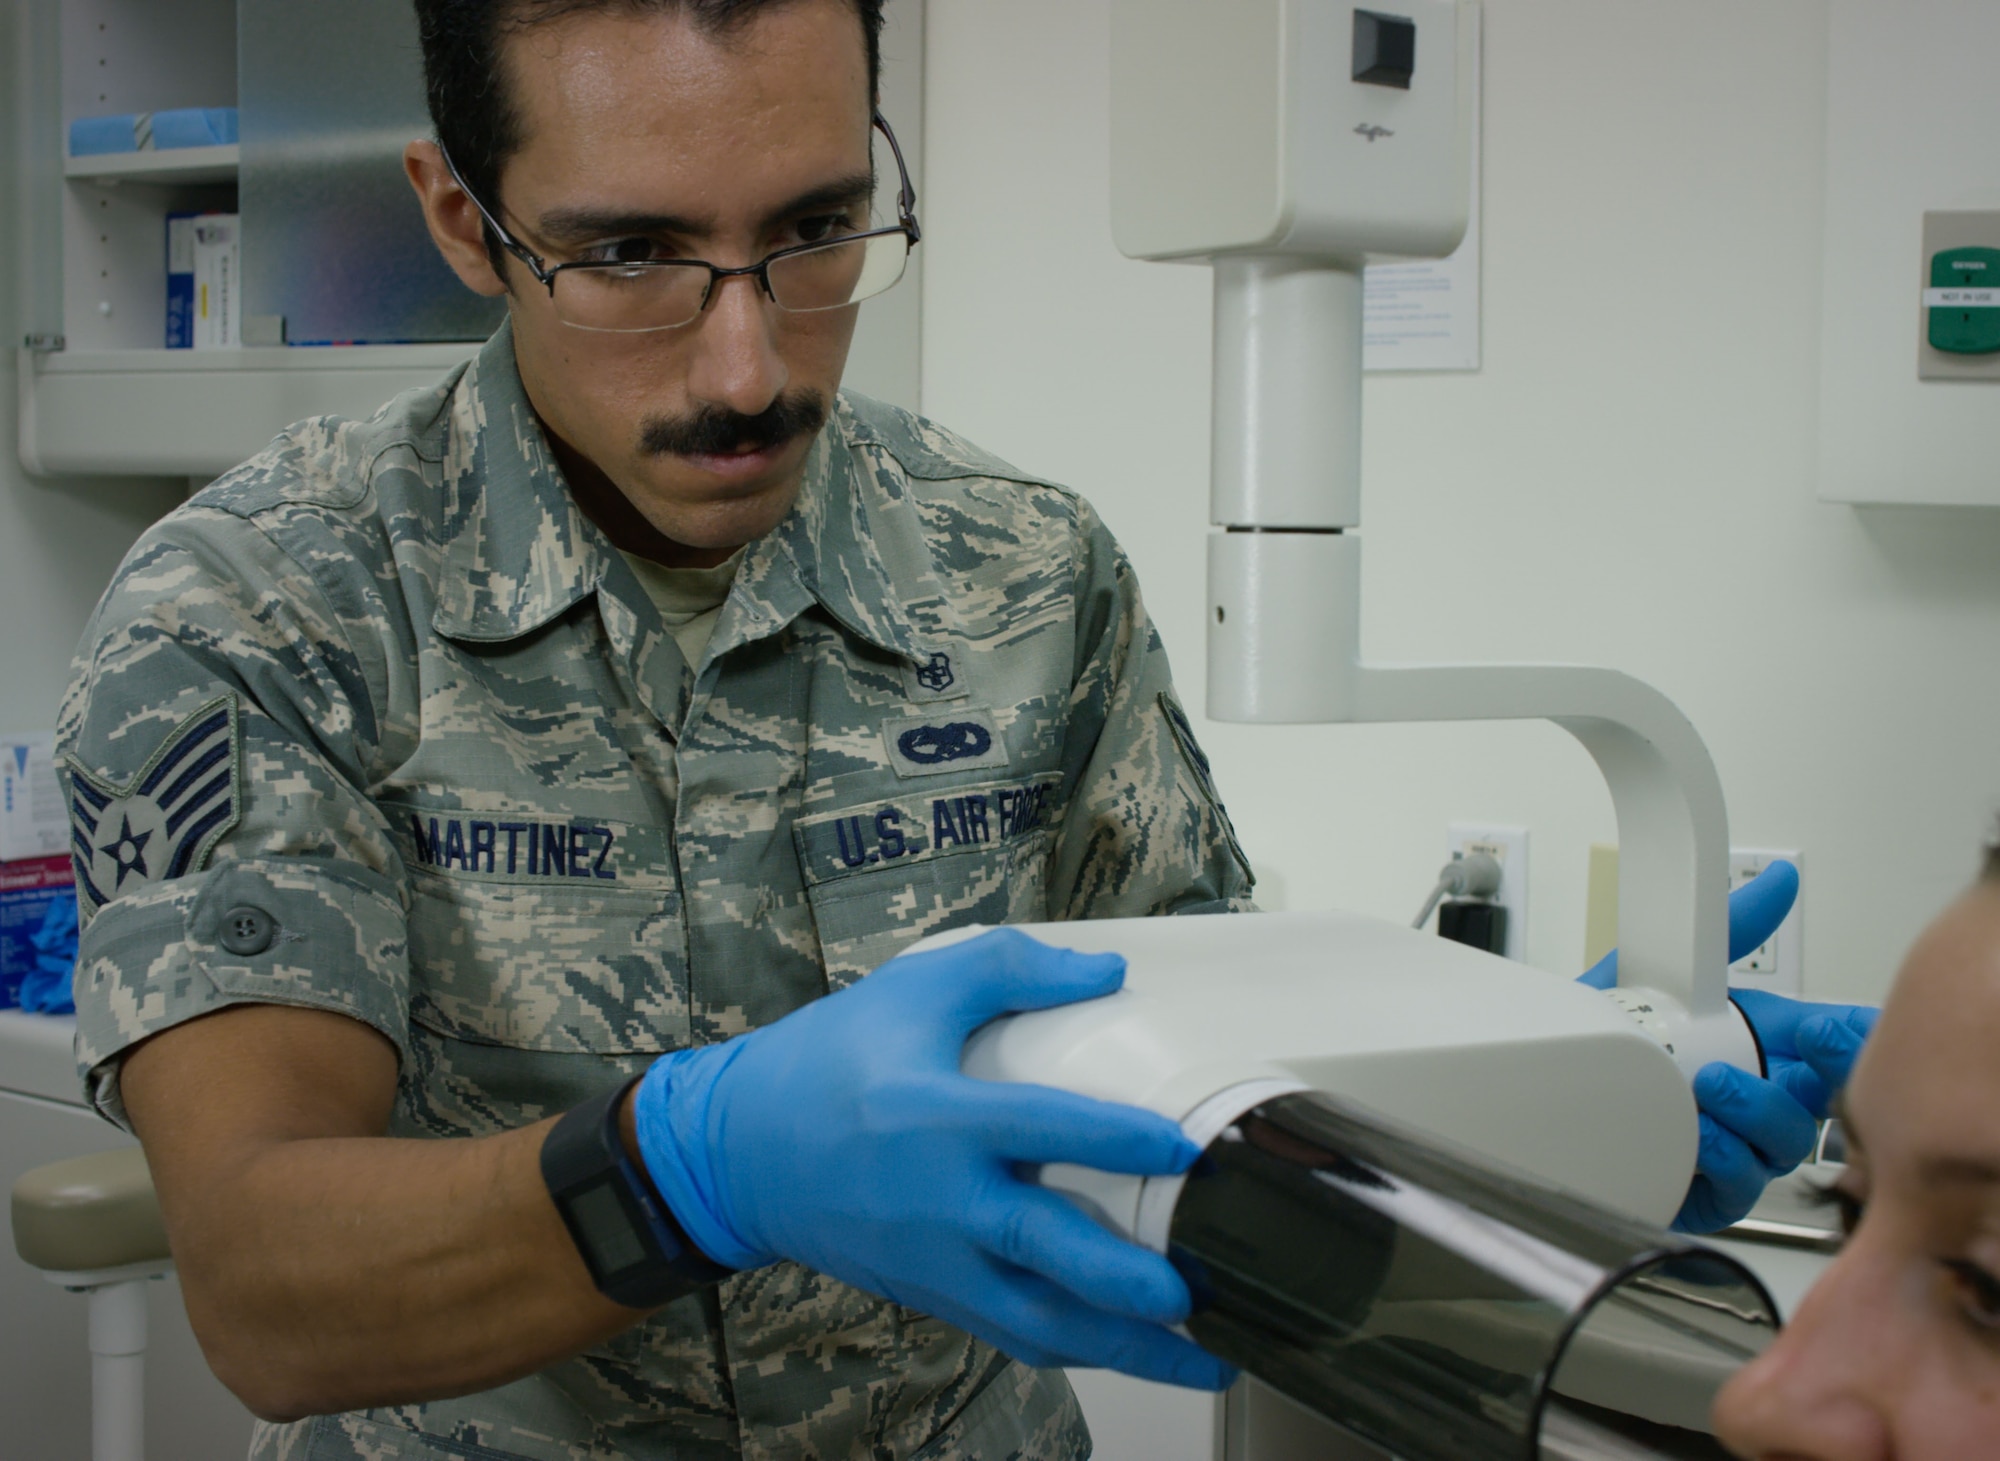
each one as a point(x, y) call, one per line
point(831, 545)
point(517, 551)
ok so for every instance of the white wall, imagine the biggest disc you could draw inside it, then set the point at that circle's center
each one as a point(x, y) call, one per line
point(1629, 481)
point(60, 537)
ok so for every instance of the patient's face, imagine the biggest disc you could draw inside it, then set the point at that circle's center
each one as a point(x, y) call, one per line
point(1896, 1351)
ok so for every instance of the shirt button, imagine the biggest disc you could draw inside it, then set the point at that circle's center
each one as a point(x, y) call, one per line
point(247, 930)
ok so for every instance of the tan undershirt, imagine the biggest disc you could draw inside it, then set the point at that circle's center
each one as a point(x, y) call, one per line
point(689, 599)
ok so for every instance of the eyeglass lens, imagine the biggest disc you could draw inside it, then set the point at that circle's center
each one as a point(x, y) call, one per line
point(635, 297)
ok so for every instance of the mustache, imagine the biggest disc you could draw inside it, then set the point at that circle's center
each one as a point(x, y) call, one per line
point(717, 430)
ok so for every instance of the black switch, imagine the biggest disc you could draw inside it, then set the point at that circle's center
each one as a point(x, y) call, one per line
point(1385, 49)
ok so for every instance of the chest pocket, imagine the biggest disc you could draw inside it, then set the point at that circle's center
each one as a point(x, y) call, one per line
point(538, 934)
point(885, 873)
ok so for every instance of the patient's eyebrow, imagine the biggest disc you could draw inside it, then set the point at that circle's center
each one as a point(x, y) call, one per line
point(1937, 1170)
point(1942, 1171)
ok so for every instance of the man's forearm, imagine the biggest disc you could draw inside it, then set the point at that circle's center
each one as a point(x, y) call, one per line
point(337, 1273)
point(327, 1267)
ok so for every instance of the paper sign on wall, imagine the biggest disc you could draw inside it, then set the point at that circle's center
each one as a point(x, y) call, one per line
point(32, 823)
point(1425, 316)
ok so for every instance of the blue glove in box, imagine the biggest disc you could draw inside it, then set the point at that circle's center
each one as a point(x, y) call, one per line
point(95, 136)
point(151, 131)
point(32, 892)
point(195, 127)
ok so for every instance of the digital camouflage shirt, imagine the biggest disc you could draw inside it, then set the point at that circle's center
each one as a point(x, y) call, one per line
point(381, 723)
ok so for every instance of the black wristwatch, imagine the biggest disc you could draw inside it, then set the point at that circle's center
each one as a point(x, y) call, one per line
point(637, 1254)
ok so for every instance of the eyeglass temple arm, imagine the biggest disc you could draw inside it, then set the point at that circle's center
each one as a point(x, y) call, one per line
point(906, 193)
point(542, 273)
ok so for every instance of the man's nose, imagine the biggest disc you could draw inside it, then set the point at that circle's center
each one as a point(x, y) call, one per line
point(736, 362)
point(1817, 1394)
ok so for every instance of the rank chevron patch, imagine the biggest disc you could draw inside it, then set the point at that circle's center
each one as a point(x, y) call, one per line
point(167, 819)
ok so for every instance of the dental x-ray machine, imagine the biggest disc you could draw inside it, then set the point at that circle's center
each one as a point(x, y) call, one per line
point(1370, 1266)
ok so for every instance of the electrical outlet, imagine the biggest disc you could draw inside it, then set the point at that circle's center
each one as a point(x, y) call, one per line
point(1777, 964)
point(1507, 846)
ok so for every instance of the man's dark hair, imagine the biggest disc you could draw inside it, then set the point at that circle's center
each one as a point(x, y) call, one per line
point(478, 122)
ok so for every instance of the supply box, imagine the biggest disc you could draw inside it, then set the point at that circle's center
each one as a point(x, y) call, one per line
point(35, 869)
point(28, 889)
point(204, 281)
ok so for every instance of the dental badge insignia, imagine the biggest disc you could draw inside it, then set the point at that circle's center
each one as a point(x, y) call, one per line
point(923, 745)
point(164, 822)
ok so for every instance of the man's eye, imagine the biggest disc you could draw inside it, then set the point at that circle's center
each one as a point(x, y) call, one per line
point(824, 227)
point(1976, 1290)
point(622, 251)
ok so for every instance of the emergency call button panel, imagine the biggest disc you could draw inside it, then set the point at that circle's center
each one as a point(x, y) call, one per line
point(1957, 289)
point(1964, 301)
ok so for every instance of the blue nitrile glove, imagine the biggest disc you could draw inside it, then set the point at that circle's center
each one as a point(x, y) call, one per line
point(844, 1137)
point(1753, 1130)
point(46, 988)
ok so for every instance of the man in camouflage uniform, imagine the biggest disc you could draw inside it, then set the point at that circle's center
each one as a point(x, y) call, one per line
point(387, 752)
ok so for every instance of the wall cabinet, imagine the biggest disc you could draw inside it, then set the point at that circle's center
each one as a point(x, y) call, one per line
point(328, 92)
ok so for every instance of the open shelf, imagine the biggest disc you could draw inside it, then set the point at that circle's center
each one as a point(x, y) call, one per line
point(197, 413)
point(169, 167)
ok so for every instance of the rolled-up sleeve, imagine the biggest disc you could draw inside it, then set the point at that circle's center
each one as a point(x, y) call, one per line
point(215, 745)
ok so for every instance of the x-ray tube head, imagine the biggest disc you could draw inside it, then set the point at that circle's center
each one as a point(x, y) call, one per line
point(1446, 1310)
point(1495, 1290)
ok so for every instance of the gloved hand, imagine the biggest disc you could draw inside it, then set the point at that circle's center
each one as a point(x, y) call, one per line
point(844, 1137)
point(1754, 1130)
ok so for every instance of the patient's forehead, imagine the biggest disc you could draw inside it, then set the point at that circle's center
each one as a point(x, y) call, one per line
point(1955, 965)
point(1932, 1068)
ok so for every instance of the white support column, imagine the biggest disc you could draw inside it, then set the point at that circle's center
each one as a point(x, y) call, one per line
point(118, 1371)
point(1286, 395)
point(1284, 640)
point(118, 1332)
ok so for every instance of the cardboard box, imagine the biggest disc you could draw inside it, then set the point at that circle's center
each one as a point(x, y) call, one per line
point(27, 888)
point(33, 821)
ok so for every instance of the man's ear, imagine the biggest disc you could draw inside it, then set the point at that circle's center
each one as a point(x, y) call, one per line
point(453, 219)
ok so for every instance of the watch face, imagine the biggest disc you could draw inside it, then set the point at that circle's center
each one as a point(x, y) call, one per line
point(606, 1229)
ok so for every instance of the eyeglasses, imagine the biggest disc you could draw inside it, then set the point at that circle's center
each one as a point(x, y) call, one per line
point(631, 296)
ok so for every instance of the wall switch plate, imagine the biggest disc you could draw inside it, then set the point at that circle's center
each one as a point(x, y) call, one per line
point(1600, 906)
point(1776, 965)
point(1507, 846)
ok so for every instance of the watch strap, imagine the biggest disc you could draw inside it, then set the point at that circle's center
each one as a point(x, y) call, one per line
point(636, 1250)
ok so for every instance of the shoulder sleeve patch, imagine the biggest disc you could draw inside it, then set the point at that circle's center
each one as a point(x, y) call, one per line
point(1196, 761)
point(165, 821)
point(1184, 741)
